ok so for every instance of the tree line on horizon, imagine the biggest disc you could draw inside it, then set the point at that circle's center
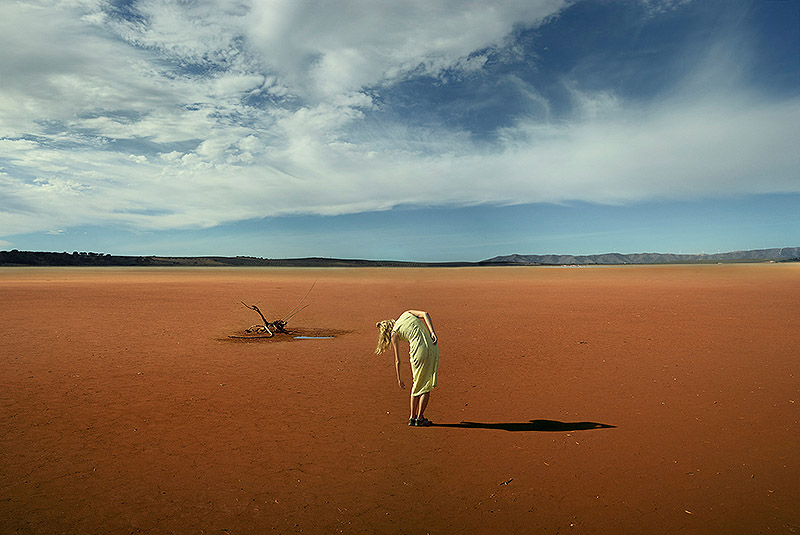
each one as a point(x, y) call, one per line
point(44, 258)
point(37, 258)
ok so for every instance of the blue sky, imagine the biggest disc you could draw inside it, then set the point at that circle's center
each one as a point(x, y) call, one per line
point(422, 130)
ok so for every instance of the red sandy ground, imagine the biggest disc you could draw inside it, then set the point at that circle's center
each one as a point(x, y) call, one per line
point(124, 407)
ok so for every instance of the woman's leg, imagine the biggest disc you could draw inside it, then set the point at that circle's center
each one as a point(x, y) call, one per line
point(422, 403)
point(418, 404)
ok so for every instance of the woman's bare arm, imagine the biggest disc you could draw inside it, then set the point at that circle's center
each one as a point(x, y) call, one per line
point(396, 352)
point(421, 314)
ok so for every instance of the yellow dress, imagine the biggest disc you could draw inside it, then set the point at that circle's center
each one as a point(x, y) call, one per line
point(423, 353)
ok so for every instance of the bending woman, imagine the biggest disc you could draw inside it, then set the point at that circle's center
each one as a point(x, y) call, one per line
point(416, 328)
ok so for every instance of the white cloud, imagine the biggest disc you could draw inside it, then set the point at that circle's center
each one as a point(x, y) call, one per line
point(147, 122)
point(325, 49)
point(657, 7)
point(676, 150)
point(70, 68)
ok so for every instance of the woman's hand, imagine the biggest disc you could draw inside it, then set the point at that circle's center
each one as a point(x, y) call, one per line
point(433, 337)
point(401, 384)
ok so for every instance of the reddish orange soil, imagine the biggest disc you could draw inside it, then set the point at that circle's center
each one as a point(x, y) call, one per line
point(124, 407)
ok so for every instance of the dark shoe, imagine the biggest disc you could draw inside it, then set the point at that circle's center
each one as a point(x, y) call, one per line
point(423, 422)
point(412, 422)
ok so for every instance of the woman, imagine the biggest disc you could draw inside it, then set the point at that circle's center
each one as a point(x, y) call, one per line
point(416, 328)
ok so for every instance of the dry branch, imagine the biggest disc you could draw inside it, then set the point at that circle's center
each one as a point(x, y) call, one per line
point(258, 328)
point(270, 327)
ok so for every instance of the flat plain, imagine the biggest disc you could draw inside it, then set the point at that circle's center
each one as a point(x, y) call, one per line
point(633, 399)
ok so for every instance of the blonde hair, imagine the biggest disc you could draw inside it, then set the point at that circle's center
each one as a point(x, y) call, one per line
point(384, 335)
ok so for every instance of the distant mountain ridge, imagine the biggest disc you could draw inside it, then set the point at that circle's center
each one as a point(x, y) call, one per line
point(38, 258)
point(783, 254)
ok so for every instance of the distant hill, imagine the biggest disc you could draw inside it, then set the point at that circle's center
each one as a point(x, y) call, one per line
point(785, 254)
point(36, 258)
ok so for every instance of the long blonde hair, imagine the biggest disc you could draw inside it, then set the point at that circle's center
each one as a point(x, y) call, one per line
point(384, 335)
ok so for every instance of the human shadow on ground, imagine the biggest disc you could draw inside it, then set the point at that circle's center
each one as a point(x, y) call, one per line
point(531, 425)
